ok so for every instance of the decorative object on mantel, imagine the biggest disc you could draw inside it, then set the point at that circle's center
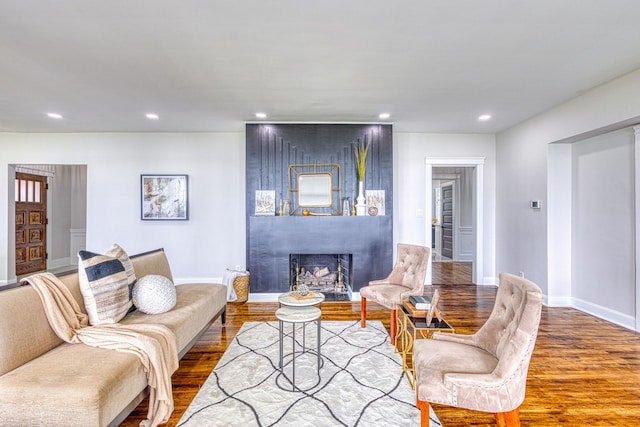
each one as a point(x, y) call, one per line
point(346, 209)
point(265, 202)
point(375, 199)
point(360, 151)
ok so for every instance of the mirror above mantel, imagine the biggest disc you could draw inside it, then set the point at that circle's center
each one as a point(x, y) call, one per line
point(315, 188)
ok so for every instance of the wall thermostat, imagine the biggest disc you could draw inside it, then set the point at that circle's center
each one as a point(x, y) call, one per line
point(535, 204)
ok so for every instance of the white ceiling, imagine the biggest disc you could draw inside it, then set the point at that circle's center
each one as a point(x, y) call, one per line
point(210, 65)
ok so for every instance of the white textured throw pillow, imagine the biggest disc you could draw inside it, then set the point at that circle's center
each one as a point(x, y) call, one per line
point(154, 294)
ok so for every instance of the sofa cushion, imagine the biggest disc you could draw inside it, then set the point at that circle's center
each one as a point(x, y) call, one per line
point(104, 284)
point(71, 385)
point(196, 304)
point(154, 294)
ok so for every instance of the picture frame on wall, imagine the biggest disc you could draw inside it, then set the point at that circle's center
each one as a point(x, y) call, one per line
point(164, 197)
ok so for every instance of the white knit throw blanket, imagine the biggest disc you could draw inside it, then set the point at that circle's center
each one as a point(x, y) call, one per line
point(153, 344)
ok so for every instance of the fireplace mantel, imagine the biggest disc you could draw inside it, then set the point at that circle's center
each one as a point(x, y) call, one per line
point(274, 238)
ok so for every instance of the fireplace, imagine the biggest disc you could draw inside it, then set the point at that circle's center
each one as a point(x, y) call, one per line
point(330, 274)
point(271, 148)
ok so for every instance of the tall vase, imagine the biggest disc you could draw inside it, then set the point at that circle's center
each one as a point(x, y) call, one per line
point(361, 206)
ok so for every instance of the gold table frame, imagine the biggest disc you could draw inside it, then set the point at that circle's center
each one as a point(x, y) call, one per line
point(409, 329)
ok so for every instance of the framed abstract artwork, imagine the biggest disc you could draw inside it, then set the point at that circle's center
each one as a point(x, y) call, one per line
point(164, 197)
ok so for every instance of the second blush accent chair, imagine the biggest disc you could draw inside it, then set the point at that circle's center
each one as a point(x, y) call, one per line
point(406, 279)
point(485, 371)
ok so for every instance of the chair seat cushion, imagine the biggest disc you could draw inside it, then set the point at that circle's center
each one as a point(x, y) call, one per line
point(434, 359)
point(386, 295)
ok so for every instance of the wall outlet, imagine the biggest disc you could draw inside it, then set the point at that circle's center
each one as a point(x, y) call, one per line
point(521, 274)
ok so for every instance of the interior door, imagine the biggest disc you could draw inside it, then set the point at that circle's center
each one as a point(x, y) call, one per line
point(447, 220)
point(31, 223)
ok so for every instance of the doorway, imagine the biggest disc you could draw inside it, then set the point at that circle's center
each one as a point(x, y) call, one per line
point(63, 211)
point(457, 224)
point(30, 223)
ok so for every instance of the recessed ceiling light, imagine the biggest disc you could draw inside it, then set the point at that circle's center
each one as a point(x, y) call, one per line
point(384, 116)
point(54, 115)
point(152, 116)
point(261, 115)
point(484, 117)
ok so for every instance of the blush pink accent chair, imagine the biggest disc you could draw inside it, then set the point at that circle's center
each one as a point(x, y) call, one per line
point(486, 371)
point(406, 278)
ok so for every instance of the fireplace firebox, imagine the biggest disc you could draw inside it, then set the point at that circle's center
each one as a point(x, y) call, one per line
point(330, 274)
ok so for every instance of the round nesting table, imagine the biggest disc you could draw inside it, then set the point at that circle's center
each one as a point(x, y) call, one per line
point(297, 315)
point(292, 299)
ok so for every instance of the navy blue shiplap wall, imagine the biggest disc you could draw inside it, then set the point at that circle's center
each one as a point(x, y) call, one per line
point(270, 149)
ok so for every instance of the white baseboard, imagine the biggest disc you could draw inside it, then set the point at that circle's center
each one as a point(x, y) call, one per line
point(182, 280)
point(489, 281)
point(624, 320)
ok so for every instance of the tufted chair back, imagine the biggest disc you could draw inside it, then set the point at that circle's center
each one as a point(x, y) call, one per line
point(406, 279)
point(411, 267)
point(510, 335)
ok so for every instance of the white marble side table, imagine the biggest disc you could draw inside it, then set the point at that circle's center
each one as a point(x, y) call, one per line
point(297, 315)
point(291, 300)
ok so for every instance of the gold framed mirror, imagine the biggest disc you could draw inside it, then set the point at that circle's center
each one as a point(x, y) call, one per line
point(314, 188)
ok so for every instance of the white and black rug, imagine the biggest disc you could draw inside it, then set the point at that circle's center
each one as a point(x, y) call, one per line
point(361, 381)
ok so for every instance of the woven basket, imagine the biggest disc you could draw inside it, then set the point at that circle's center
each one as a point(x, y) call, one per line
point(241, 286)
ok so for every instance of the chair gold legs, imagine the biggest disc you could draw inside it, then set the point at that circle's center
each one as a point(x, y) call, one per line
point(424, 412)
point(508, 419)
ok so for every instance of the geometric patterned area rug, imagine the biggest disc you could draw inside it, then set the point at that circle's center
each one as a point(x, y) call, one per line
point(361, 382)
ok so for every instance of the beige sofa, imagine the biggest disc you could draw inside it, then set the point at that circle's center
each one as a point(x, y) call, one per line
point(46, 382)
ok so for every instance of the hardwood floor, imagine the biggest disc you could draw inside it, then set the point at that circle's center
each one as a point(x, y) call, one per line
point(584, 371)
point(451, 273)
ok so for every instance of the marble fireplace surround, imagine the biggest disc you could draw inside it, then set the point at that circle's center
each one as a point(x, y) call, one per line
point(271, 148)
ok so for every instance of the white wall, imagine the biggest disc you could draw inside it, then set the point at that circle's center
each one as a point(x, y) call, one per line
point(603, 223)
point(521, 242)
point(412, 216)
point(201, 248)
point(214, 236)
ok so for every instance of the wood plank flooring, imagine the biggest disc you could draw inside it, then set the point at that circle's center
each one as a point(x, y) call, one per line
point(451, 273)
point(584, 371)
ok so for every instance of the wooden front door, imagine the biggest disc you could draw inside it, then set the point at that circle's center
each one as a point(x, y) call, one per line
point(31, 223)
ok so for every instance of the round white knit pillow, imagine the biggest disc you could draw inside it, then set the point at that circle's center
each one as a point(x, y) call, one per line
point(154, 294)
